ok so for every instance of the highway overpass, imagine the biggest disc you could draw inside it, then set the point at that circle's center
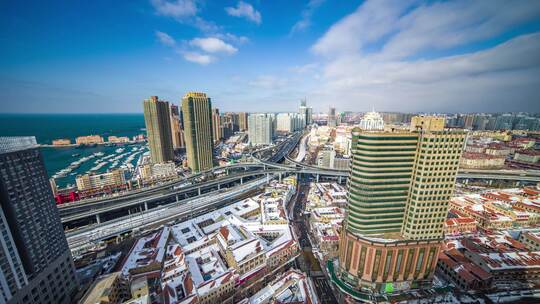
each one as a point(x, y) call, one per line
point(107, 209)
point(114, 215)
point(83, 239)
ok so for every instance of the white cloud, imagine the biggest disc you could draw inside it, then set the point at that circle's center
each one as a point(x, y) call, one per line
point(307, 13)
point(199, 50)
point(407, 27)
point(165, 39)
point(205, 25)
point(233, 38)
point(245, 10)
point(516, 54)
point(443, 25)
point(186, 12)
point(178, 9)
point(268, 82)
point(306, 68)
point(213, 45)
point(199, 58)
point(390, 56)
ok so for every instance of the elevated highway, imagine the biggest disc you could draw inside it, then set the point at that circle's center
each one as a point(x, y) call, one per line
point(99, 219)
point(163, 197)
point(83, 239)
point(103, 210)
point(149, 200)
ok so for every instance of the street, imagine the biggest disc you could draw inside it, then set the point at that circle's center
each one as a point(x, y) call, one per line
point(307, 262)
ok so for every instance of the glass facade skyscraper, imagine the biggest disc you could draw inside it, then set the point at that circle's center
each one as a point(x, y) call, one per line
point(399, 187)
point(36, 264)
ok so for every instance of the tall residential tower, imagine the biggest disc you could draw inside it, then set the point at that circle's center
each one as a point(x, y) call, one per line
point(399, 187)
point(157, 119)
point(306, 112)
point(243, 121)
point(216, 125)
point(197, 114)
point(176, 129)
point(260, 128)
point(35, 260)
point(332, 118)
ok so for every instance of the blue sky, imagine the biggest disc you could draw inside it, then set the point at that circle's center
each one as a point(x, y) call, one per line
point(107, 56)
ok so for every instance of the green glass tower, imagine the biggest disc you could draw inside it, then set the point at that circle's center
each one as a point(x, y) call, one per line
point(197, 112)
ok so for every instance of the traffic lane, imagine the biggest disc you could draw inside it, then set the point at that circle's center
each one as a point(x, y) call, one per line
point(325, 292)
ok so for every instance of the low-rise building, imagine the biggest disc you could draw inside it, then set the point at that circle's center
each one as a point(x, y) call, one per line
point(460, 225)
point(326, 203)
point(292, 287)
point(500, 209)
point(529, 156)
point(489, 260)
point(89, 140)
point(158, 172)
point(92, 181)
point(530, 239)
point(498, 149)
point(61, 142)
point(472, 160)
point(221, 256)
point(117, 139)
point(108, 289)
point(147, 254)
point(455, 267)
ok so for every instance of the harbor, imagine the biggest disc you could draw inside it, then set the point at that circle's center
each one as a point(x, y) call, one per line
point(105, 143)
point(64, 164)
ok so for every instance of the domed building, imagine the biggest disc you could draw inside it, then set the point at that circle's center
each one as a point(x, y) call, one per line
point(372, 121)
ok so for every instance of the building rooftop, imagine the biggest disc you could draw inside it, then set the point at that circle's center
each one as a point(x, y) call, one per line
point(195, 253)
point(146, 251)
point(292, 287)
point(512, 260)
point(100, 289)
point(530, 152)
point(16, 143)
point(474, 155)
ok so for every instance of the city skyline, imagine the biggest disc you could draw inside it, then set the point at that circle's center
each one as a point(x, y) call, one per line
point(454, 56)
point(270, 152)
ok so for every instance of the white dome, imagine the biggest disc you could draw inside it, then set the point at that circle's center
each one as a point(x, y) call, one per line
point(372, 121)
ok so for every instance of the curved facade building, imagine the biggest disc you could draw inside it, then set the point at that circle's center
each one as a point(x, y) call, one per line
point(399, 187)
point(381, 171)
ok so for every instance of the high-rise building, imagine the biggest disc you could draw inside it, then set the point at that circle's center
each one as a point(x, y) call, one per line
point(468, 121)
point(35, 260)
point(399, 187)
point(176, 130)
point(243, 121)
point(216, 125)
point(504, 121)
point(332, 119)
point(306, 112)
point(233, 119)
point(260, 129)
point(289, 122)
point(227, 128)
point(157, 119)
point(197, 114)
point(480, 122)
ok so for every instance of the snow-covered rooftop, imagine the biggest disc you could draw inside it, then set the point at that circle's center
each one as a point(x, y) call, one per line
point(292, 287)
